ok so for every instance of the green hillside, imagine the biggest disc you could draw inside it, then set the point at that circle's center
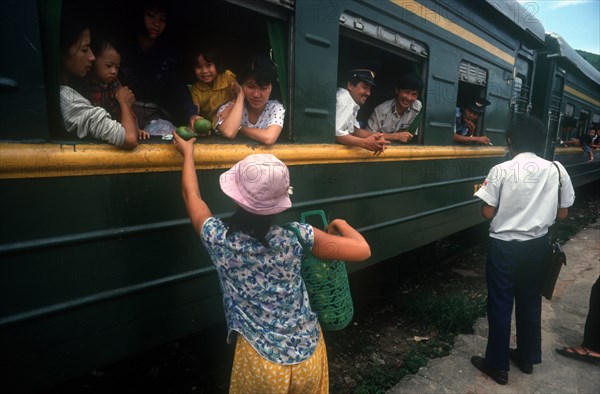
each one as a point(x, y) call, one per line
point(592, 58)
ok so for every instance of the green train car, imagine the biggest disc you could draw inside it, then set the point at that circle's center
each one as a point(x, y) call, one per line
point(566, 94)
point(98, 260)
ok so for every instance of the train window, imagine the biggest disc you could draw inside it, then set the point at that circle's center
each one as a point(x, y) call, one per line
point(582, 124)
point(569, 109)
point(390, 53)
point(471, 85)
point(238, 29)
point(520, 97)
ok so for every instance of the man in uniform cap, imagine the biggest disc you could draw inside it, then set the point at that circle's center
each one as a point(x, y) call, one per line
point(465, 125)
point(348, 102)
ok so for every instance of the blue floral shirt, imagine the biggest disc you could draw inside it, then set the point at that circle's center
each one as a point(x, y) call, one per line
point(264, 296)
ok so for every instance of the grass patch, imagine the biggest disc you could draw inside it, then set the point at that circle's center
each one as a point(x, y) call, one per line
point(380, 379)
point(452, 313)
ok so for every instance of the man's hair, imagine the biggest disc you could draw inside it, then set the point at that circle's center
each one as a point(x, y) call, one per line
point(410, 82)
point(526, 134)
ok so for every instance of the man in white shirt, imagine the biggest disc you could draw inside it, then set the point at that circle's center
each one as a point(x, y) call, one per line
point(348, 102)
point(521, 198)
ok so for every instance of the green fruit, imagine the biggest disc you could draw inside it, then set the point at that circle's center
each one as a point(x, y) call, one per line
point(185, 132)
point(202, 127)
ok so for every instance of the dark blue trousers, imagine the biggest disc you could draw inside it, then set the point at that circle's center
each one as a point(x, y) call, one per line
point(514, 274)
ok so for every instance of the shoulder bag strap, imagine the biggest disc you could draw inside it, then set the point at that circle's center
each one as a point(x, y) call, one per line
point(553, 230)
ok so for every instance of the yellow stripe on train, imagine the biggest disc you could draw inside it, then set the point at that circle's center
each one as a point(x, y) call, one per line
point(54, 160)
point(582, 96)
point(459, 31)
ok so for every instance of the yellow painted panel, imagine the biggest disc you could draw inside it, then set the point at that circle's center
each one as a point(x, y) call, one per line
point(53, 160)
point(582, 96)
point(459, 31)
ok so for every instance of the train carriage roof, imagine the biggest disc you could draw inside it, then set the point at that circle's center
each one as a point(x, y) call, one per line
point(522, 18)
point(558, 47)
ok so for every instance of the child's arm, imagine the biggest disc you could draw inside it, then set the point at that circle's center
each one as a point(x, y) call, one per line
point(232, 117)
point(125, 98)
point(349, 245)
point(197, 209)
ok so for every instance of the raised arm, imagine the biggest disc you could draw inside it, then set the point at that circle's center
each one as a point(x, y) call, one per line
point(197, 209)
point(125, 98)
point(230, 118)
point(349, 245)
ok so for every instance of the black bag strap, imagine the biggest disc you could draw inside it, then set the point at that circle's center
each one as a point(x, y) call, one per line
point(559, 182)
point(553, 229)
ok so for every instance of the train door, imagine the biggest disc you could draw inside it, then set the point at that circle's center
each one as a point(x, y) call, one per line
point(520, 100)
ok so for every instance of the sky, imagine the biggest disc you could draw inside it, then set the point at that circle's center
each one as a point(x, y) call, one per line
point(577, 21)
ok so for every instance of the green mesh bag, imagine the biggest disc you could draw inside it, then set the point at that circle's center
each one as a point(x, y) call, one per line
point(327, 285)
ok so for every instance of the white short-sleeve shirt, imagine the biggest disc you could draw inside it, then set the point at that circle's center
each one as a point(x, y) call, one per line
point(273, 114)
point(346, 110)
point(524, 191)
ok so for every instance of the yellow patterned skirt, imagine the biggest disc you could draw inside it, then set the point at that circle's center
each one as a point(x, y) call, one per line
point(253, 374)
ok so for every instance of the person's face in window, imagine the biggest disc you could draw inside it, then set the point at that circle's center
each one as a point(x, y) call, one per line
point(256, 96)
point(106, 66)
point(205, 71)
point(155, 21)
point(80, 57)
point(360, 92)
point(470, 116)
point(405, 98)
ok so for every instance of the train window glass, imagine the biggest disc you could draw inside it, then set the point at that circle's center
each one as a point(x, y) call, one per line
point(569, 109)
point(596, 119)
point(582, 124)
point(391, 54)
point(237, 28)
point(520, 97)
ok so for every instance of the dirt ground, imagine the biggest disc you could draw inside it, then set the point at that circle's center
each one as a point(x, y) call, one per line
point(371, 348)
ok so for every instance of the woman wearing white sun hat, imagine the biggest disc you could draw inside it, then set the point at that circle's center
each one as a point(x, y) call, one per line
point(279, 346)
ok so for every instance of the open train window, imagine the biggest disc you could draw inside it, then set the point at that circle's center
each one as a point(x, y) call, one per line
point(237, 28)
point(390, 53)
point(472, 83)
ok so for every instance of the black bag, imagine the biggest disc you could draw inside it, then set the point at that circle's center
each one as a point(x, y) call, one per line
point(558, 258)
